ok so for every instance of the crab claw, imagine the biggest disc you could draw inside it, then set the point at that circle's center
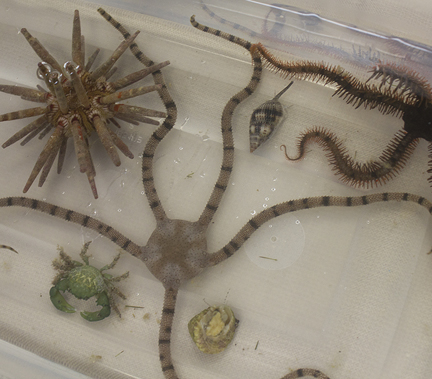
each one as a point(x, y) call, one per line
point(99, 315)
point(59, 301)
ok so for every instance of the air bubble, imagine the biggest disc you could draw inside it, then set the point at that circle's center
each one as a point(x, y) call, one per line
point(119, 210)
point(205, 137)
point(267, 199)
point(253, 213)
point(273, 189)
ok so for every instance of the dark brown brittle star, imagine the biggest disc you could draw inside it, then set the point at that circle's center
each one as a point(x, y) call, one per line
point(176, 250)
point(79, 102)
point(400, 93)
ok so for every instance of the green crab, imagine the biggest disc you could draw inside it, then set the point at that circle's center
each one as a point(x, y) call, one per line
point(85, 281)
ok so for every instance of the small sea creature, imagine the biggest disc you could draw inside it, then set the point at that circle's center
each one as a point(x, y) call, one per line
point(78, 102)
point(9, 248)
point(264, 120)
point(85, 281)
point(213, 329)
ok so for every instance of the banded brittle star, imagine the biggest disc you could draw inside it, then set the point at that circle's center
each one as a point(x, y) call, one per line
point(79, 101)
point(176, 250)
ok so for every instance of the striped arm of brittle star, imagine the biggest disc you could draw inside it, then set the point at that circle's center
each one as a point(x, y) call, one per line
point(165, 330)
point(226, 126)
point(76, 218)
point(224, 21)
point(160, 132)
point(310, 202)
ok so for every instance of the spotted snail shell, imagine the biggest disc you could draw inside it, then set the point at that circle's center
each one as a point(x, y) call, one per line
point(213, 329)
point(264, 120)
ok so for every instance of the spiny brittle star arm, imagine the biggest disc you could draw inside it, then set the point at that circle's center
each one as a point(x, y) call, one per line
point(351, 89)
point(226, 126)
point(76, 218)
point(311, 202)
point(160, 132)
point(391, 161)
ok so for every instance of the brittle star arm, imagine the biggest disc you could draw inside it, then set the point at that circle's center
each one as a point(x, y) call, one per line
point(224, 21)
point(310, 202)
point(391, 161)
point(227, 134)
point(351, 89)
point(76, 218)
point(160, 132)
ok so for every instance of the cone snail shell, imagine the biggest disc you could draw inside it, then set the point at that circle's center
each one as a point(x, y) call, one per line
point(264, 120)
